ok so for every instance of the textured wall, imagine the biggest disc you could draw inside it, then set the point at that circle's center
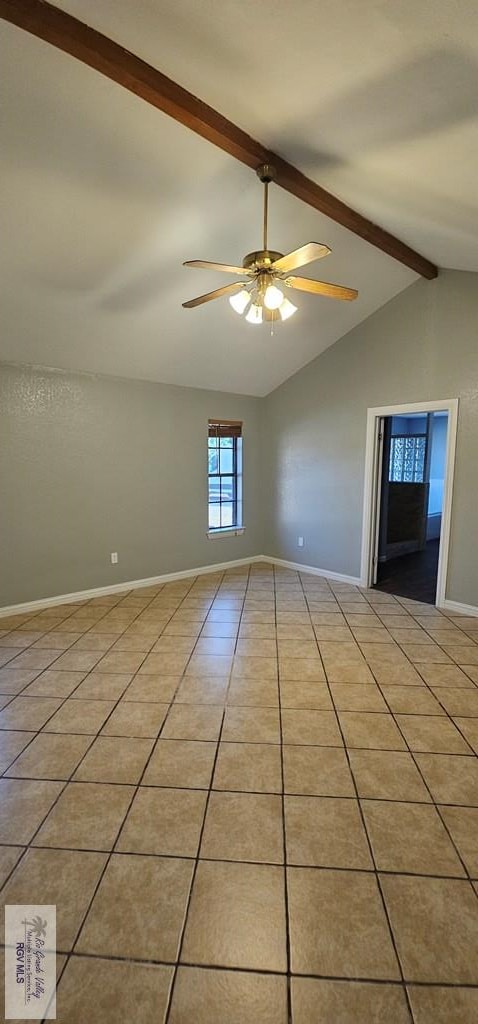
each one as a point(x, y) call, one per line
point(91, 465)
point(421, 346)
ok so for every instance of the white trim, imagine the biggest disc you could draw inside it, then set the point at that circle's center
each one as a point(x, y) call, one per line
point(119, 588)
point(449, 405)
point(313, 570)
point(458, 608)
point(226, 531)
point(169, 577)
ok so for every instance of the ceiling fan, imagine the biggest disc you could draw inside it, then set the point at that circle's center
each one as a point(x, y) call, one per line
point(261, 296)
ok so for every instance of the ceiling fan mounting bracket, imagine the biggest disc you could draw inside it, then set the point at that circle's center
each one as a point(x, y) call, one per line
point(261, 259)
point(266, 173)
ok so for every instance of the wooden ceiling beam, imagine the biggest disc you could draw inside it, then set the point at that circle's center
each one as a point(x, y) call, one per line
point(109, 58)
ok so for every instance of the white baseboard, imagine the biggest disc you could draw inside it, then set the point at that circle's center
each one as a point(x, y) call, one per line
point(118, 588)
point(313, 570)
point(169, 577)
point(458, 608)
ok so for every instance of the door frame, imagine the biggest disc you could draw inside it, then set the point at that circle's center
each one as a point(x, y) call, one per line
point(372, 483)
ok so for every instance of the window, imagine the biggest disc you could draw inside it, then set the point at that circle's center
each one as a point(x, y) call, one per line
point(224, 475)
point(407, 458)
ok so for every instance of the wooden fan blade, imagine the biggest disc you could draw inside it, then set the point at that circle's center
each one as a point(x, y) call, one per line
point(224, 267)
point(299, 257)
point(333, 291)
point(226, 289)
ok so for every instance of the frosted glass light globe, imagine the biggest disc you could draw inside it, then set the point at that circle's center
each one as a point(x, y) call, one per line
point(287, 309)
point(273, 297)
point(240, 300)
point(254, 316)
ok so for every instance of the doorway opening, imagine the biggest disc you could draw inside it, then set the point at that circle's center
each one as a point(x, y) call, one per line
point(407, 502)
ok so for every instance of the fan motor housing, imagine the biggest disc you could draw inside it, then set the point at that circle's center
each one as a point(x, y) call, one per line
point(262, 259)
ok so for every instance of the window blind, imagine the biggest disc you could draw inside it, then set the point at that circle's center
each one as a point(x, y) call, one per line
point(225, 428)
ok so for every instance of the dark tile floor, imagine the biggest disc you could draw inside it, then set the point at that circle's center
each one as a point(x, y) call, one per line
point(413, 576)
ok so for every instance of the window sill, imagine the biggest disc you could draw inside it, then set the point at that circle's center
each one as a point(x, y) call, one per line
point(226, 531)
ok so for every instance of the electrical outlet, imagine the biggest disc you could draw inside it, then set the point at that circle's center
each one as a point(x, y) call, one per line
point(300, 542)
point(114, 557)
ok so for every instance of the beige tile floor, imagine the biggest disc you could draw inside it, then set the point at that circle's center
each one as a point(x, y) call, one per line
point(253, 797)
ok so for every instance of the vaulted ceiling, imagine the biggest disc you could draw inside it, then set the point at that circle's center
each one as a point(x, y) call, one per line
point(103, 196)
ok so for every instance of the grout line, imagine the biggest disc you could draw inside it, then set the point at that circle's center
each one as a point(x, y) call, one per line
point(63, 789)
point(111, 851)
point(434, 803)
point(258, 863)
point(372, 856)
point(196, 860)
point(270, 973)
point(246, 792)
point(67, 781)
point(284, 835)
point(424, 780)
point(253, 598)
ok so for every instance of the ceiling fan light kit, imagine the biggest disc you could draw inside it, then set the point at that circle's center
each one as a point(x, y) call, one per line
point(273, 297)
point(240, 301)
point(254, 316)
point(261, 298)
point(287, 309)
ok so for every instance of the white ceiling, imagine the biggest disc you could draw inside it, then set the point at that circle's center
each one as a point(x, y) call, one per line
point(103, 196)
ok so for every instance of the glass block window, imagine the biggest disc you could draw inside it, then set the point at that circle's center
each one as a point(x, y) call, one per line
point(224, 474)
point(407, 458)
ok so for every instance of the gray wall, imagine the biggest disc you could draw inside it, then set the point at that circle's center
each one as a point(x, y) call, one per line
point(421, 346)
point(91, 465)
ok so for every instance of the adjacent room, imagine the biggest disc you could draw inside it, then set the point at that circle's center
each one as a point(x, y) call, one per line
point(239, 529)
point(411, 491)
